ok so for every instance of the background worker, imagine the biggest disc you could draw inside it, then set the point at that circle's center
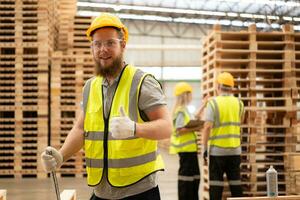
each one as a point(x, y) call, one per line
point(124, 114)
point(223, 118)
point(184, 142)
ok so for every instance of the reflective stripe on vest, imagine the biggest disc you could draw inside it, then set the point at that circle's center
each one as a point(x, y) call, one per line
point(182, 143)
point(226, 127)
point(128, 160)
point(122, 163)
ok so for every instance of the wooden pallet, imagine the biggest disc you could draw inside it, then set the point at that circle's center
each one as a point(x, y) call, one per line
point(25, 58)
point(67, 11)
point(2, 194)
point(68, 195)
point(266, 198)
point(68, 74)
point(264, 66)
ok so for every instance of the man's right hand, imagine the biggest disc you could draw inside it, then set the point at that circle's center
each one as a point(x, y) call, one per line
point(51, 159)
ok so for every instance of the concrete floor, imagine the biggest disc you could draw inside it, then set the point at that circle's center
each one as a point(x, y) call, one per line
point(43, 189)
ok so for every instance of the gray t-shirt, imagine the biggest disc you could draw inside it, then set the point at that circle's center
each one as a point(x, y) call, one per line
point(214, 150)
point(179, 121)
point(151, 95)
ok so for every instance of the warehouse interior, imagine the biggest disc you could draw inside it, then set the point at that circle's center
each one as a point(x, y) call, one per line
point(45, 60)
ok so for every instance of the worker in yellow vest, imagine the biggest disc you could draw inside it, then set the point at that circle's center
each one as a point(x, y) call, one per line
point(184, 142)
point(123, 115)
point(223, 117)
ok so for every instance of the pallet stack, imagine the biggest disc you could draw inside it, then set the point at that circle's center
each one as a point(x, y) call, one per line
point(67, 10)
point(263, 66)
point(80, 44)
point(70, 69)
point(68, 75)
point(27, 34)
point(294, 173)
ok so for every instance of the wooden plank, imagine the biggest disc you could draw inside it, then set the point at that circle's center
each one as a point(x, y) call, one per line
point(2, 194)
point(267, 198)
point(295, 162)
point(68, 195)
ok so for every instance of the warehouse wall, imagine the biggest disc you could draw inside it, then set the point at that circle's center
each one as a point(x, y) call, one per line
point(162, 34)
point(187, 42)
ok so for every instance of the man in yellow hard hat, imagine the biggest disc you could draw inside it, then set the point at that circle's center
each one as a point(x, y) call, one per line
point(124, 114)
point(223, 117)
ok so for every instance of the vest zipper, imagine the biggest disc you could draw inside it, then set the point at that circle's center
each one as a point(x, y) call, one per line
point(105, 167)
point(106, 122)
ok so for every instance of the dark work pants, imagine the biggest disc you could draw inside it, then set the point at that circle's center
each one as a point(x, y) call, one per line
point(218, 165)
point(188, 176)
point(152, 194)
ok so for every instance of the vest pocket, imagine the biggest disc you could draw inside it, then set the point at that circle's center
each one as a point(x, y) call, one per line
point(130, 145)
point(93, 117)
point(93, 108)
point(127, 149)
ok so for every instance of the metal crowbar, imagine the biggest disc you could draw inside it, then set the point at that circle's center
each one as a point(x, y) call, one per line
point(53, 174)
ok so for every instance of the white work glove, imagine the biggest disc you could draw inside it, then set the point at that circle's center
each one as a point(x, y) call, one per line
point(51, 162)
point(122, 127)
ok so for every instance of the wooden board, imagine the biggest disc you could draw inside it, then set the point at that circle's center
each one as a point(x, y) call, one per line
point(68, 195)
point(267, 198)
point(295, 162)
point(2, 194)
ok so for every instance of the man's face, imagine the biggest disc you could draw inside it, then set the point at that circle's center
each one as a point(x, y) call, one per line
point(107, 49)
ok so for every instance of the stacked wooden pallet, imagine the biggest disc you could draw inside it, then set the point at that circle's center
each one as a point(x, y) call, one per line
point(68, 75)
point(79, 44)
point(26, 37)
point(67, 10)
point(262, 64)
point(204, 184)
point(69, 71)
point(294, 174)
point(294, 171)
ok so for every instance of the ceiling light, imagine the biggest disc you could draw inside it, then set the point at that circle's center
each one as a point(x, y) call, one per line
point(288, 18)
point(231, 14)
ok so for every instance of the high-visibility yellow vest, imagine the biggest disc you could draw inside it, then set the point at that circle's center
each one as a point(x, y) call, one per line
point(226, 128)
point(182, 142)
point(126, 161)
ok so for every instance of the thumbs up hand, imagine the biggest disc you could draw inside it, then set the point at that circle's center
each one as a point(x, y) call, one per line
point(122, 127)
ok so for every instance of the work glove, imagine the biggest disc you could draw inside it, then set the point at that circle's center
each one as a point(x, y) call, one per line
point(122, 127)
point(51, 159)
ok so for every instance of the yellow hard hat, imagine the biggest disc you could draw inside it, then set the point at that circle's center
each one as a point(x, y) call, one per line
point(107, 20)
point(226, 79)
point(182, 87)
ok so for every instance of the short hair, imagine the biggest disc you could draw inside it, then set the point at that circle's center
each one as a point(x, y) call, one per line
point(225, 87)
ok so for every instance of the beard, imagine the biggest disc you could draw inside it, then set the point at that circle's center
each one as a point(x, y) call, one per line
point(109, 70)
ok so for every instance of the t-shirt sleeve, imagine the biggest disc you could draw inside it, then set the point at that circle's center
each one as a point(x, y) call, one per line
point(151, 94)
point(179, 122)
point(209, 113)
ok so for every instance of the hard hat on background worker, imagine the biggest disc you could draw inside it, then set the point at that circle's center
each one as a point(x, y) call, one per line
point(106, 20)
point(225, 79)
point(181, 88)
